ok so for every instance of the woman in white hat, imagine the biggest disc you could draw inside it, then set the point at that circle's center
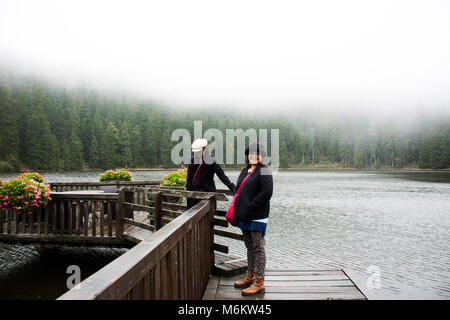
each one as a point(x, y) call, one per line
point(200, 175)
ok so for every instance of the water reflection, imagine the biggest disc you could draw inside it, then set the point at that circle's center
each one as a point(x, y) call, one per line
point(40, 272)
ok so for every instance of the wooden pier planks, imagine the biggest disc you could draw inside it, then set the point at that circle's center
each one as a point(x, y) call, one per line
point(134, 233)
point(288, 284)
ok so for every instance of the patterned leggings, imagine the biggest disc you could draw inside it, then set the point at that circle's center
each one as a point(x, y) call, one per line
point(256, 254)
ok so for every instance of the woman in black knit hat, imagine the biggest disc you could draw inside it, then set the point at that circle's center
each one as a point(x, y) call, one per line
point(251, 211)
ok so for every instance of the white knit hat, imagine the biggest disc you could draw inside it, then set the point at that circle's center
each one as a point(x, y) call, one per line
point(199, 144)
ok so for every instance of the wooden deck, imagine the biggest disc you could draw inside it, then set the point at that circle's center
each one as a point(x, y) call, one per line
point(288, 284)
point(88, 217)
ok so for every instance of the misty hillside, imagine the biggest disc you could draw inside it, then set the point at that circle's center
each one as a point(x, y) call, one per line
point(44, 127)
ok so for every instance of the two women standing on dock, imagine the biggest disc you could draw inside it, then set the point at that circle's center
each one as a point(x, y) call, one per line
point(200, 175)
point(251, 211)
point(251, 207)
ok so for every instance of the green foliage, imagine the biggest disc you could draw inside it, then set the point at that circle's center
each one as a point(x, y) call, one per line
point(124, 145)
point(116, 175)
point(39, 145)
point(24, 194)
point(6, 167)
point(174, 178)
point(111, 146)
point(9, 128)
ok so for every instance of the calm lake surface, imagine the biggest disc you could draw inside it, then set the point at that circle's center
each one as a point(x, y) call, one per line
point(390, 231)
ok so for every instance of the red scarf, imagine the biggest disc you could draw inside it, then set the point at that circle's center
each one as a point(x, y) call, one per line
point(193, 179)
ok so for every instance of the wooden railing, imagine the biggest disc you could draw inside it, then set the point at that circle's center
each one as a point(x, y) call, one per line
point(168, 211)
point(67, 218)
point(74, 216)
point(175, 263)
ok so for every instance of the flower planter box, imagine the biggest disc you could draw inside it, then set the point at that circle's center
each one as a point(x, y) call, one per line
point(109, 188)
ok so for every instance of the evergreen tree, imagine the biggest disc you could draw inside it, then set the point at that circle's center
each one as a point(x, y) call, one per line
point(110, 148)
point(125, 146)
point(94, 154)
point(9, 129)
point(136, 147)
point(40, 145)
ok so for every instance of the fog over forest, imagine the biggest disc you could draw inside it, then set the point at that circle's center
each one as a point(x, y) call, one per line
point(102, 84)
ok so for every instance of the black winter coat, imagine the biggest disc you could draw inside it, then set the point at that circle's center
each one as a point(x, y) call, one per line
point(204, 180)
point(253, 201)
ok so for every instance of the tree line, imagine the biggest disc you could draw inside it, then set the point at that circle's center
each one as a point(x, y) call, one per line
point(48, 128)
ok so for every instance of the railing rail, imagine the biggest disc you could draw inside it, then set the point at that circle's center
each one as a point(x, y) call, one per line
point(168, 211)
point(174, 263)
point(80, 186)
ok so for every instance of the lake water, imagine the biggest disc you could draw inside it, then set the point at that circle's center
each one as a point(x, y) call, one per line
point(389, 231)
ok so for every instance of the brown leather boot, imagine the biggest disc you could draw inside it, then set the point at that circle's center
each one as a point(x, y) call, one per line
point(247, 281)
point(256, 287)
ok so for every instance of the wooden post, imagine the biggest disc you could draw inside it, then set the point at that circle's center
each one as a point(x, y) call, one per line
point(120, 214)
point(22, 215)
point(128, 197)
point(46, 219)
point(53, 202)
point(69, 214)
point(79, 218)
point(94, 217)
point(61, 219)
point(16, 220)
point(212, 201)
point(109, 219)
point(39, 216)
point(86, 217)
point(8, 221)
point(102, 212)
point(2, 214)
point(158, 208)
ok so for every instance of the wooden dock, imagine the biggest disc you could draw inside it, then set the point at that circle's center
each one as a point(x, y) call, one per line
point(173, 250)
point(289, 284)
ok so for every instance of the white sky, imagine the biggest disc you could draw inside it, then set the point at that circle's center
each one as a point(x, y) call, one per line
point(243, 53)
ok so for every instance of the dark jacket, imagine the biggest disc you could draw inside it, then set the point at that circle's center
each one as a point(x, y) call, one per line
point(253, 201)
point(204, 180)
